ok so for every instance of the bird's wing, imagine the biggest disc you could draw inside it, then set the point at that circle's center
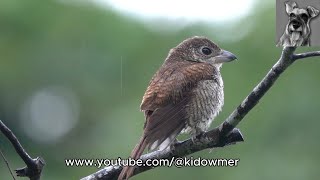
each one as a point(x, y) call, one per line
point(171, 83)
point(166, 98)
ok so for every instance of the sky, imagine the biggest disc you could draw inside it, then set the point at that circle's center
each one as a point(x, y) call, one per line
point(200, 10)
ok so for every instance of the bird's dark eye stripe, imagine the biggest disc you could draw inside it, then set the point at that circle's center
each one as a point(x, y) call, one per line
point(206, 50)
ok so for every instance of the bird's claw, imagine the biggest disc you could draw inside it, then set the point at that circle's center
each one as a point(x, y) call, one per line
point(197, 138)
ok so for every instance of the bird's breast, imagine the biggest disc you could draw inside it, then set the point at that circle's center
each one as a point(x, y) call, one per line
point(205, 103)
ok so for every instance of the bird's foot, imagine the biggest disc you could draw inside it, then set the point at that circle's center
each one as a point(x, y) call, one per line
point(197, 138)
point(174, 143)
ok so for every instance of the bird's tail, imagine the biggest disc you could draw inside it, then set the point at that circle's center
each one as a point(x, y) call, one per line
point(127, 171)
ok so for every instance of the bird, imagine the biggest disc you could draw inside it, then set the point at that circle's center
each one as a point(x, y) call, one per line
point(183, 96)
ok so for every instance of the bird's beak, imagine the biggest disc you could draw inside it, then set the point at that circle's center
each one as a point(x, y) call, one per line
point(225, 56)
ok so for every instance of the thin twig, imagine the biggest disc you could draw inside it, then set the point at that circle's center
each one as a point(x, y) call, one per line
point(34, 166)
point(7, 163)
point(306, 55)
point(221, 135)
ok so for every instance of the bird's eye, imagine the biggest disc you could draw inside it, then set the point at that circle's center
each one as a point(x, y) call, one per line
point(206, 51)
point(292, 15)
point(304, 17)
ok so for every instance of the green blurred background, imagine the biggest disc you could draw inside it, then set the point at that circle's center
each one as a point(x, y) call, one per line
point(73, 74)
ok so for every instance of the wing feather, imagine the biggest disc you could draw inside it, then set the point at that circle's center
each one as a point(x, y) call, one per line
point(171, 83)
point(166, 98)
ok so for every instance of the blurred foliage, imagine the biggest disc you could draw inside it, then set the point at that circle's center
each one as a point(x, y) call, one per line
point(107, 59)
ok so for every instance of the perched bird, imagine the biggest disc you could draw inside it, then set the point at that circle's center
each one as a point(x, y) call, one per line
point(184, 95)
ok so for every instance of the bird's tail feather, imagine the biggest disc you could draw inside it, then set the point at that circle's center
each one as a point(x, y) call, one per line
point(127, 171)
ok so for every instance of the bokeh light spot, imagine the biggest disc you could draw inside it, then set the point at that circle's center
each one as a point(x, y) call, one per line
point(49, 114)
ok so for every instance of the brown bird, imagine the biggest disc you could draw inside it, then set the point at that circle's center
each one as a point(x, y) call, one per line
point(184, 95)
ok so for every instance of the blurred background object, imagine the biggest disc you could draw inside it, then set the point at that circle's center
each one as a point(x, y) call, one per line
point(73, 74)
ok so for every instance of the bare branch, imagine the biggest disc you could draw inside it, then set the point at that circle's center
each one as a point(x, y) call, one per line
point(253, 98)
point(7, 163)
point(34, 166)
point(224, 134)
point(306, 55)
point(209, 139)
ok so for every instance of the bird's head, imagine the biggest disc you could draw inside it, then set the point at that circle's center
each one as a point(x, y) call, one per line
point(201, 49)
